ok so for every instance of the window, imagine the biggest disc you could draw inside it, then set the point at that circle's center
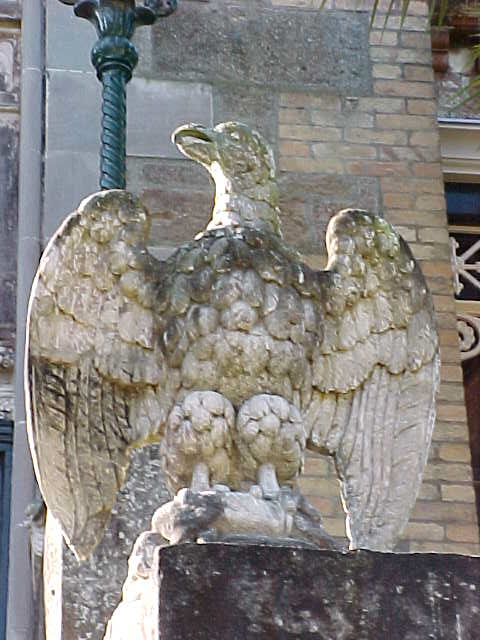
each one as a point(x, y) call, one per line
point(463, 206)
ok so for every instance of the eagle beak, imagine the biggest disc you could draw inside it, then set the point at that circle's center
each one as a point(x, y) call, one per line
point(195, 142)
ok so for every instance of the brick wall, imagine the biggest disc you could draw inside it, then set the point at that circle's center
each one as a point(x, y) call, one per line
point(392, 138)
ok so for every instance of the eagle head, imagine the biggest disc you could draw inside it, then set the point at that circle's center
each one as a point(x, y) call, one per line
point(231, 152)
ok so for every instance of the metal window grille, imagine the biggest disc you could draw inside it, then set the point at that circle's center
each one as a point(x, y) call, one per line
point(6, 442)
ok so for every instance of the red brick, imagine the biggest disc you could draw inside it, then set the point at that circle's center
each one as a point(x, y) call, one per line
point(311, 165)
point(334, 526)
point(403, 88)
point(293, 148)
point(316, 466)
point(294, 116)
point(423, 531)
point(437, 268)
point(463, 532)
point(427, 511)
point(451, 431)
point(417, 154)
point(424, 139)
point(443, 303)
point(405, 122)
point(421, 107)
point(414, 56)
point(437, 203)
point(418, 218)
point(429, 491)
point(445, 320)
point(297, 100)
point(415, 40)
point(384, 38)
point(448, 338)
point(375, 137)
point(445, 547)
point(381, 105)
point(427, 169)
point(455, 453)
point(450, 355)
point(325, 506)
point(326, 103)
point(418, 73)
point(398, 200)
point(430, 251)
point(408, 233)
point(352, 119)
point(451, 373)
point(451, 412)
point(387, 71)
point(417, 8)
point(415, 185)
point(378, 168)
point(320, 134)
point(458, 492)
point(410, 23)
point(331, 149)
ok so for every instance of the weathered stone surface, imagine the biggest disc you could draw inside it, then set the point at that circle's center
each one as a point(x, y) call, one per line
point(250, 104)
point(8, 227)
point(219, 591)
point(254, 44)
point(10, 9)
point(178, 194)
point(68, 39)
point(93, 589)
point(9, 67)
point(308, 201)
point(160, 107)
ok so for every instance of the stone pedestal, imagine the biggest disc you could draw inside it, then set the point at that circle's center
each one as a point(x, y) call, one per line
point(220, 591)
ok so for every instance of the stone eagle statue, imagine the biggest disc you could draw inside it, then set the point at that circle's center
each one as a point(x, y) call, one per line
point(232, 353)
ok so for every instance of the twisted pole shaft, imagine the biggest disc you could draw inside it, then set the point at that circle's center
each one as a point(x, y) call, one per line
point(113, 137)
point(114, 58)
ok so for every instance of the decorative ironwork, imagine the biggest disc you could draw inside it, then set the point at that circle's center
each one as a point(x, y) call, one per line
point(114, 57)
point(466, 273)
point(469, 333)
point(463, 267)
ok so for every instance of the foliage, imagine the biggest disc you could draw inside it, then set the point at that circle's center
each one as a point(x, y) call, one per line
point(438, 13)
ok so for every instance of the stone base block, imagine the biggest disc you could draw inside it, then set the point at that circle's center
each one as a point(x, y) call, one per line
point(248, 592)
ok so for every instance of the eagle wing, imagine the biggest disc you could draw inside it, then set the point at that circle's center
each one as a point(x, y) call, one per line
point(95, 373)
point(374, 374)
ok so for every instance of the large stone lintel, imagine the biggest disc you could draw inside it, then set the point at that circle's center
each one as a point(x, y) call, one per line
point(219, 591)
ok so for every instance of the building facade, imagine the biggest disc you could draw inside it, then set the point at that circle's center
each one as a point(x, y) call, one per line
point(351, 113)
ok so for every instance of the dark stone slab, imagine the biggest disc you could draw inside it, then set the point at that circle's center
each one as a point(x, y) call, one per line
point(217, 591)
point(257, 44)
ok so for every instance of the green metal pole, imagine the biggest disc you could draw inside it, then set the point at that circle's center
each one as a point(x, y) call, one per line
point(115, 57)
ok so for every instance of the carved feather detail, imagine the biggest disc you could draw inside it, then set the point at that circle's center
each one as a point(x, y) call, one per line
point(122, 346)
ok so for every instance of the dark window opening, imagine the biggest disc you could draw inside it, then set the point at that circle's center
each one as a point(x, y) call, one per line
point(463, 207)
point(6, 443)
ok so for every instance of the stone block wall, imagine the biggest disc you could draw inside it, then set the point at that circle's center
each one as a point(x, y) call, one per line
point(9, 137)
